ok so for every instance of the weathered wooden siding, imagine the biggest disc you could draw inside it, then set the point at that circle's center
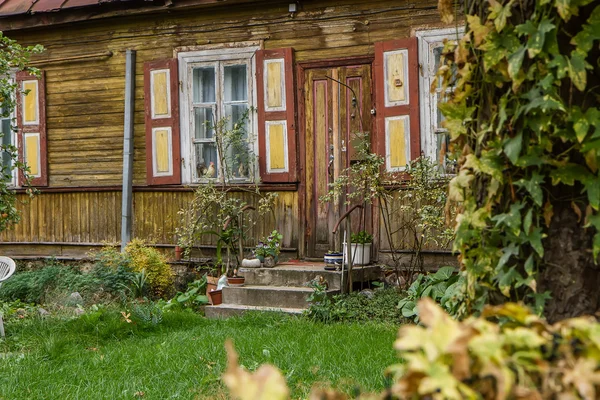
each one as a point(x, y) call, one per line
point(94, 217)
point(85, 98)
point(85, 103)
point(402, 237)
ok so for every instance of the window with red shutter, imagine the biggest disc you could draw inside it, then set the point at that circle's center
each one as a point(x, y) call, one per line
point(163, 159)
point(397, 102)
point(31, 124)
point(276, 115)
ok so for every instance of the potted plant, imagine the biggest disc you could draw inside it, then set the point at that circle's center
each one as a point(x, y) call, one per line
point(269, 248)
point(235, 279)
point(360, 247)
point(333, 260)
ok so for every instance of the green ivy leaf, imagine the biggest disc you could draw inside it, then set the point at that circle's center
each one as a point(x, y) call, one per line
point(535, 239)
point(527, 221)
point(584, 40)
point(512, 147)
point(535, 44)
point(592, 187)
point(577, 70)
point(568, 174)
point(529, 265)
point(507, 253)
point(515, 61)
point(511, 219)
point(532, 185)
point(506, 280)
point(499, 14)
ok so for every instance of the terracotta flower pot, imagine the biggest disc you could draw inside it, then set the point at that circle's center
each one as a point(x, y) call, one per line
point(178, 253)
point(216, 297)
point(211, 285)
point(236, 281)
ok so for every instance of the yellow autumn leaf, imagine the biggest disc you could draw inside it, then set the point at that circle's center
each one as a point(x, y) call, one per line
point(266, 383)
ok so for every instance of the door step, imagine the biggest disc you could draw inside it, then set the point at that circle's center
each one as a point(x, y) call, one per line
point(283, 288)
point(231, 310)
point(269, 296)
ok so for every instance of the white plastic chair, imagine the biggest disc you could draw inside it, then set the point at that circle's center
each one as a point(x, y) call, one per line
point(7, 268)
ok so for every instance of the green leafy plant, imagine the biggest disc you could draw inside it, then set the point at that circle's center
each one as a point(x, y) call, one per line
point(154, 266)
point(524, 122)
point(412, 206)
point(508, 353)
point(361, 237)
point(444, 286)
point(194, 296)
point(146, 313)
point(379, 305)
point(269, 246)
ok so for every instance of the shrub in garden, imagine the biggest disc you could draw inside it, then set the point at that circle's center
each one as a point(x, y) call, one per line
point(508, 353)
point(379, 305)
point(157, 271)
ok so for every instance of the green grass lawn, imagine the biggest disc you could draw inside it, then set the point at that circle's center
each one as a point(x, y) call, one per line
point(101, 356)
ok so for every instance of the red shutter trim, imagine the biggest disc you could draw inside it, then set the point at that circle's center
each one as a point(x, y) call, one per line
point(289, 115)
point(172, 122)
point(40, 128)
point(412, 108)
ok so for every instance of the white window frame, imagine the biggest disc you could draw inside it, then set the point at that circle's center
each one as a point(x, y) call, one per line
point(14, 137)
point(428, 41)
point(187, 60)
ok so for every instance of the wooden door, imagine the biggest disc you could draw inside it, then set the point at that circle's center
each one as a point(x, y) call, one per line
point(338, 103)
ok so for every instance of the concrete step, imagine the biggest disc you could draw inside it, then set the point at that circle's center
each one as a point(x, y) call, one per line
point(230, 310)
point(269, 296)
point(299, 274)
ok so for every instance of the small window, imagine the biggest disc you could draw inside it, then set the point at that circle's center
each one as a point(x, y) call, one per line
point(434, 138)
point(217, 97)
point(8, 143)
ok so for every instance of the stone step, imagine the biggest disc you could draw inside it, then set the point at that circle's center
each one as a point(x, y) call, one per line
point(299, 274)
point(268, 296)
point(230, 310)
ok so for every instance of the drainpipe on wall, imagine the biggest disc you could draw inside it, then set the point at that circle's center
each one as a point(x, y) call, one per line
point(127, 206)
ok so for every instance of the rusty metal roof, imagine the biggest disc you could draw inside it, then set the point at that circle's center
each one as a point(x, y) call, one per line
point(18, 7)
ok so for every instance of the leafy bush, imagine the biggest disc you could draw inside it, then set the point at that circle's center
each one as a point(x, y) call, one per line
point(107, 279)
point(444, 287)
point(193, 297)
point(150, 260)
point(520, 357)
point(509, 353)
point(361, 237)
point(378, 305)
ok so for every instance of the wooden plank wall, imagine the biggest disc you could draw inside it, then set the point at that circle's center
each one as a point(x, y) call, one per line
point(85, 102)
point(85, 99)
point(95, 217)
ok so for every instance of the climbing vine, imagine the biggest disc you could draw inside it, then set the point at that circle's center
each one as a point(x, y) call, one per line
point(525, 124)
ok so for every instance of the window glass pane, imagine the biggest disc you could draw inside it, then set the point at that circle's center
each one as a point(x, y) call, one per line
point(236, 114)
point(238, 154)
point(204, 85)
point(5, 130)
point(236, 86)
point(206, 160)
point(203, 123)
point(7, 134)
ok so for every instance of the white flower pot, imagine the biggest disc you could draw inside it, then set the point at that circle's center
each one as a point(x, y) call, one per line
point(361, 253)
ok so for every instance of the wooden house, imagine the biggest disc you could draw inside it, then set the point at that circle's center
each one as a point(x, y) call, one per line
point(297, 63)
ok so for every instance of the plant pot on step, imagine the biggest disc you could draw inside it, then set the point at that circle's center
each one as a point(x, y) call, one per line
point(216, 297)
point(236, 281)
point(361, 253)
point(333, 260)
point(211, 285)
point(270, 261)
